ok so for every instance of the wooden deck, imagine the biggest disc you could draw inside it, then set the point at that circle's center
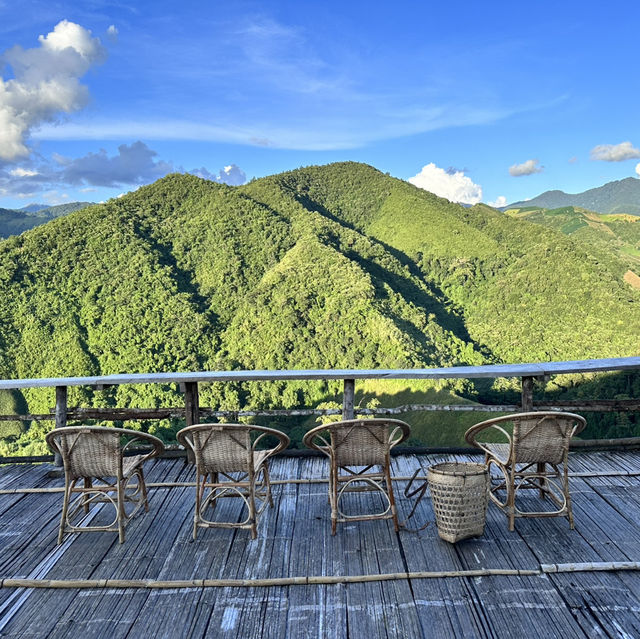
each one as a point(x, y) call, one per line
point(294, 541)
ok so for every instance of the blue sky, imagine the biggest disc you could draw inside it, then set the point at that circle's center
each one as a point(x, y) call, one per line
point(494, 101)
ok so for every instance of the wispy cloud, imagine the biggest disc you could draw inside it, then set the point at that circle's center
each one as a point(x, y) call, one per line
point(267, 83)
point(526, 168)
point(615, 152)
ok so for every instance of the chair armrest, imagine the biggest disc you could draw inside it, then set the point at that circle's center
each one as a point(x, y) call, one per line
point(139, 436)
point(310, 436)
point(470, 435)
point(399, 433)
point(283, 438)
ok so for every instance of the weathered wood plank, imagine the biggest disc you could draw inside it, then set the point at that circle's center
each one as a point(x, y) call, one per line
point(456, 372)
point(294, 539)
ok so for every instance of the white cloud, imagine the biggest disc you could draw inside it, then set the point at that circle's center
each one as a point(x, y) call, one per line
point(526, 168)
point(614, 152)
point(45, 83)
point(499, 202)
point(112, 33)
point(230, 174)
point(20, 172)
point(638, 169)
point(454, 185)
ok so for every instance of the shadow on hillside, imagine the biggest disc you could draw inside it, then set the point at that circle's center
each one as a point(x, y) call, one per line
point(431, 299)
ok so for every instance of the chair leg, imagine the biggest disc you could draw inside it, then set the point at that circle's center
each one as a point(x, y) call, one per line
point(511, 498)
point(121, 511)
point(567, 495)
point(542, 482)
point(85, 498)
point(333, 497)
point(143, 489)
point(252, 507)
point(267, 481)
point(392, 499)
point(196, 513)
point(68, 486)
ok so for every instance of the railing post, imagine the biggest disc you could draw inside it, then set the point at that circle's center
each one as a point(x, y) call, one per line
point(61, 415)
point(191, 410)
point(348, 398)
point(191, 403)
point(527, 394)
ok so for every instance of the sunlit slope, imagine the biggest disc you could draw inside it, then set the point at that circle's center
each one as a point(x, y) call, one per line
point(524, 292)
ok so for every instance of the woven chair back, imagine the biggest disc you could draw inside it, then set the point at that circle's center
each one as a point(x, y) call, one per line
point(541, 438)
point(90, 454)
point(221, 449)
point(365, 443)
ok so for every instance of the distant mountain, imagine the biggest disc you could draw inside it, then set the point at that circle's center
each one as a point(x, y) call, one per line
point(33, 208)
point(621, 196)
point(16, 221)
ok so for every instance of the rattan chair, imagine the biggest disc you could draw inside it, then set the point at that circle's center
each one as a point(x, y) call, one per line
point(229, 463)
point(355, 447)
point(534, 455)
point(99, 457)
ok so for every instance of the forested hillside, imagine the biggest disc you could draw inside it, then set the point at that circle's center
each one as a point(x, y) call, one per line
point(337, 266)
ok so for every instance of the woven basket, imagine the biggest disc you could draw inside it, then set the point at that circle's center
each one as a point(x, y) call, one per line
point(460, 494)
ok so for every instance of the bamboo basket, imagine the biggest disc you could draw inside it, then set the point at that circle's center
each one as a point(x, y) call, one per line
point(460, 494)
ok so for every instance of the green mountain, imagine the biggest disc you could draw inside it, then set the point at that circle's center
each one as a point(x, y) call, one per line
point(338, 266)
point(604, 234)
point(14, 222)
point(620, 196)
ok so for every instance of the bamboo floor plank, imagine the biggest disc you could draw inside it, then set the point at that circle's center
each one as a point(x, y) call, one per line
point(141, 556)
point(595, 594)
point(294, 540)
point(314, 611)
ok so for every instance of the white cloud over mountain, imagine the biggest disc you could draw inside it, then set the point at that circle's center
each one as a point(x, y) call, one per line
point(231, 174)
point(45, 83)
point(614, 152)
point(499, 202)
point(526, 168)
point(453, 185)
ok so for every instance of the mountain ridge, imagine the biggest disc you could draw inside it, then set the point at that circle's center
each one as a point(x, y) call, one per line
point(618, 196)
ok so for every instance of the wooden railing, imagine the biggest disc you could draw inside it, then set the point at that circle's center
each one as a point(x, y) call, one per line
point(193, 412)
